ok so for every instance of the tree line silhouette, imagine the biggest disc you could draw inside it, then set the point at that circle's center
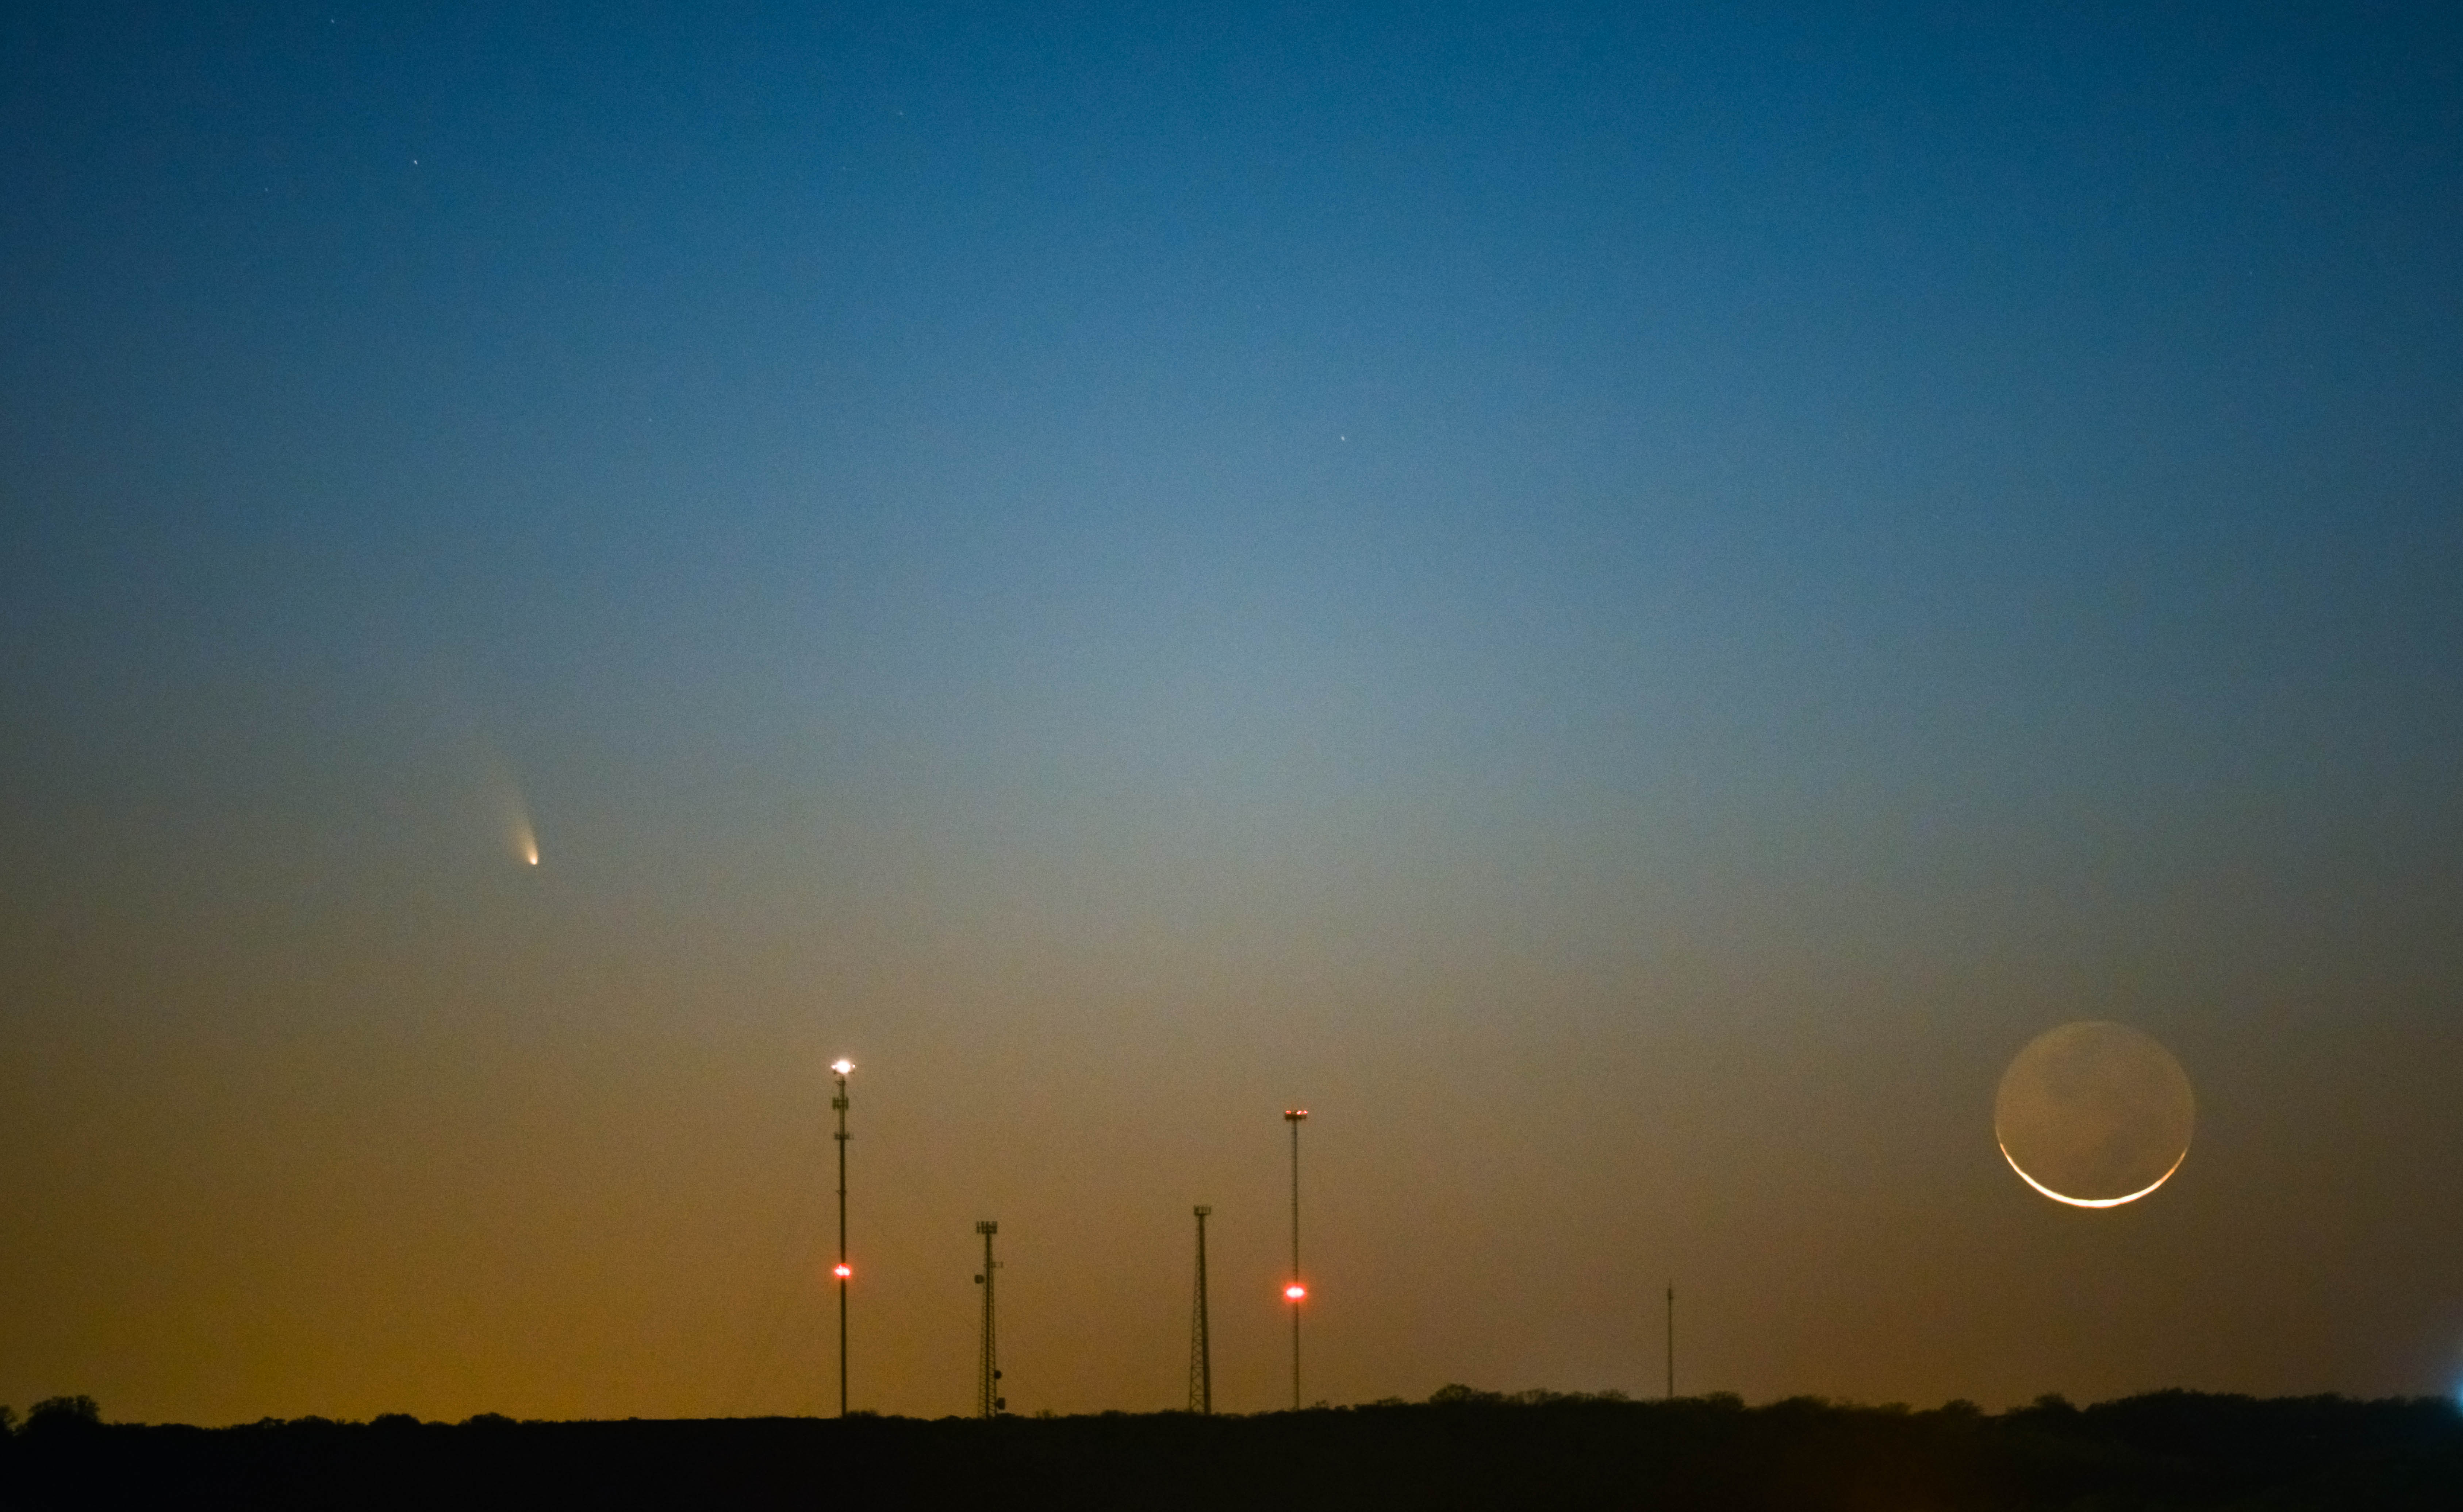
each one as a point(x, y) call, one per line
point(1463, 1448)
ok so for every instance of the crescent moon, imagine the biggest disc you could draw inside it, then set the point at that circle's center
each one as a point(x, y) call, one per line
point(2092, 1202)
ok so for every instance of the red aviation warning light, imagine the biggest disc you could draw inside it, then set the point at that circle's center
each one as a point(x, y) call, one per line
point(843, 1270)
point(1295, 1291)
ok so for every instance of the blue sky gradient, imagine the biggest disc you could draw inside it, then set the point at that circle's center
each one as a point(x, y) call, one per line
point(1726, 566)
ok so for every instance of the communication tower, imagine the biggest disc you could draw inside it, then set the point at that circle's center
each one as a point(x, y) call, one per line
point(1295, 1293)
point(841, 1270)
point(989, 1400)
point(1201, 1358)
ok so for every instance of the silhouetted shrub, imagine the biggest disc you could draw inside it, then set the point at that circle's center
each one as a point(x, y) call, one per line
point(55, 1414)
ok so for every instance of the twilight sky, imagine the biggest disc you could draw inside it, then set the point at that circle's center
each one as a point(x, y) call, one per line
point(1623, 601)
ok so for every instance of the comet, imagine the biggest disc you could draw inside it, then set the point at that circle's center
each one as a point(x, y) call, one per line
point(512, 810)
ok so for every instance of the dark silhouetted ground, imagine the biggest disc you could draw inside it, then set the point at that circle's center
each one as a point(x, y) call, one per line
point(1462, 1449)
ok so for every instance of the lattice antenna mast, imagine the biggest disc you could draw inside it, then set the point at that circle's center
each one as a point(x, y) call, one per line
point(989, 1400)
point(1201, 1357)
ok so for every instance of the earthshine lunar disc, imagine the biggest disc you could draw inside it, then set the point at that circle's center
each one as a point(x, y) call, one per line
point(2094, 1115)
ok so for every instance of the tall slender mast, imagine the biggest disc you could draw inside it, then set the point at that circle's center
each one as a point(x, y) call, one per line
point(988, 1398)
point(841, 1270)
point(1201, 1355)
point(1671, 1340)
point(1295, 1292)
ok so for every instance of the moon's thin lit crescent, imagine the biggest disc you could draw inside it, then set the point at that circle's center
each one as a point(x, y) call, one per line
point(2092, 1202)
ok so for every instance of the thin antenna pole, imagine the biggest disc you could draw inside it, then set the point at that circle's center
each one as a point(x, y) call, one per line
point(988, 1398)
point(839, 1103)
point(1201, 1353)
point(1671, 1340)
point(1295, 1293)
